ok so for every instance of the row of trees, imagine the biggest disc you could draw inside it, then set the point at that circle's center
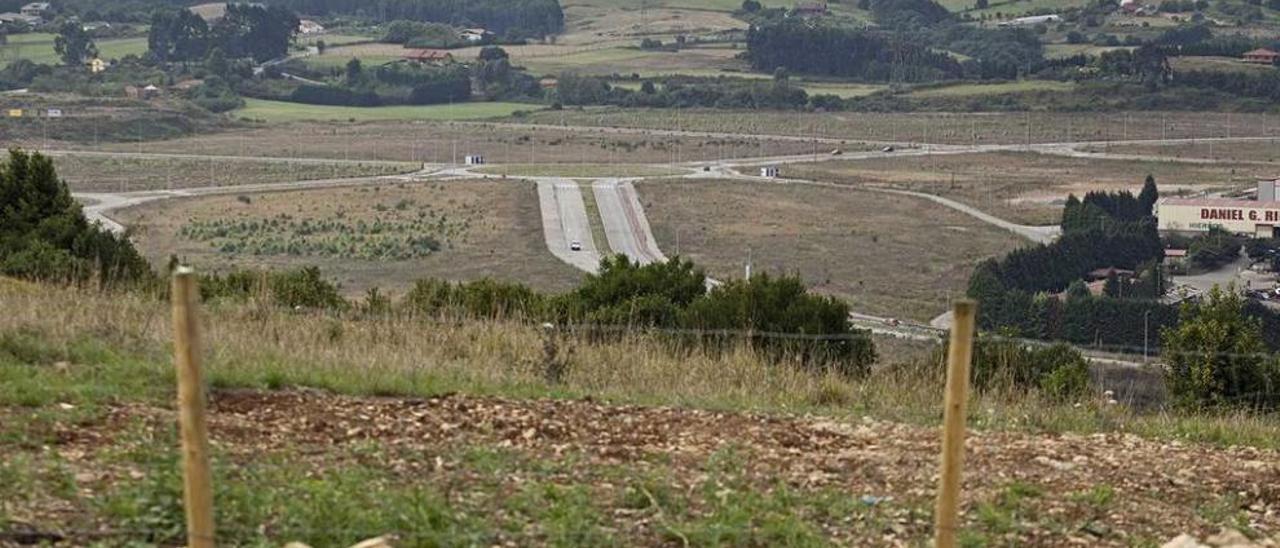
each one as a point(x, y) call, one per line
point(509, 18)
point(246, 31)
point(808, 47)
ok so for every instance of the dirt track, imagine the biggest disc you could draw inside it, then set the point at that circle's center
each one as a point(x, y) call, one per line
point(1160, 489)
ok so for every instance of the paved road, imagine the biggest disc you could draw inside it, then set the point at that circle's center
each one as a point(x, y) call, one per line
point(565, 220)
point(625, 223)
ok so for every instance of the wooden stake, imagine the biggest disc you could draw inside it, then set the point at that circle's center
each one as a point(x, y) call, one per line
point(197, 480)
point(959, 356)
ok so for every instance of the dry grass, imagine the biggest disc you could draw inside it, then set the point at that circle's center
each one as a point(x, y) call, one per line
point(1026, 188)
point(887, 255)
point(502, 239)
point(1248, 151)
point(252, 345)
point(933, 127)
point(124, 174)
point(437, 142)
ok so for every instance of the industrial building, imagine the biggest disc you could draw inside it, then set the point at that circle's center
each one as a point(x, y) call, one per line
point(1258, 218)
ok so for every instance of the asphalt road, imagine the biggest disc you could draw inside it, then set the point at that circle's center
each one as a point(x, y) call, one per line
point(565, 220)
point(625, 224)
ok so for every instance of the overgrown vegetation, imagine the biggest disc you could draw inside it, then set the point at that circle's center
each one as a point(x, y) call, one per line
point(44, 235)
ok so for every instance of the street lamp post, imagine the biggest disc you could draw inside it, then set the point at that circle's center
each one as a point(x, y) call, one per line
point(1146, 323)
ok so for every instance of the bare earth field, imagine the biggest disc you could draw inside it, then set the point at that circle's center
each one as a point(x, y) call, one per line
point(886, 255)
point(960, 128)
point(1253, 151)
point(482, 228)
point(548, 472)
point(1026, 188)
point(124, 174)
point(447, 142)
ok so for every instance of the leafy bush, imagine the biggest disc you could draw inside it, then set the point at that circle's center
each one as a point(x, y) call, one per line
point(1216, 357)
point(486, 298)
point(791, 322)
point(1214, 249)
point(999, 363)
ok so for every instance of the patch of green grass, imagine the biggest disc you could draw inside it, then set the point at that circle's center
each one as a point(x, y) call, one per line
point(280, 111)
point(38, 48)
point(965, 90)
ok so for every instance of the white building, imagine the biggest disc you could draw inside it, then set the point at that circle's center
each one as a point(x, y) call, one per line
point(473, 35)
point(1258, 218)
point(474, 160)
point(1032, 20)
point(307, 26)
point(769, 171)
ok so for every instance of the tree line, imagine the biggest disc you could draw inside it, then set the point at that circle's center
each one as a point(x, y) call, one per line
point(251, 31)
point(44, 235)
point(509, 18)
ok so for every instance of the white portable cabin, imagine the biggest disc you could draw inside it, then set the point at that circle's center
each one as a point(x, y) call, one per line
point(770, 172)
point(475, 160)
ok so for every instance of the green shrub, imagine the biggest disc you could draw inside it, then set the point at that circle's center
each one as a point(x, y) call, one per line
point(1216, 357)
point(1059, 372)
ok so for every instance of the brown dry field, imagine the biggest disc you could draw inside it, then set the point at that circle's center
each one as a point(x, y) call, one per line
point(886, 255)
point(435, 142)
point(1026, 188)
point(99, 174)
point(1020, 489)
point(1248, 151)
point(506, 243)
point(937, 127)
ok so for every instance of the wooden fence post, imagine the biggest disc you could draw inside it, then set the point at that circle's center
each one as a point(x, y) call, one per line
point(959, 356)
point(197, 479)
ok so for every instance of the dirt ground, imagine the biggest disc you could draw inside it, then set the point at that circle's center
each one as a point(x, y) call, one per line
point(502, 237)
point(1249, 151)
point(1019, 490)
point(101, 174)
point(1026, 188)
point(444, 142)
point(885, 254)
point(940, 127)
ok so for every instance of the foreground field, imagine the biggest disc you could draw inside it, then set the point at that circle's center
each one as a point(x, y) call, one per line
point(386, 236)
point(124, 174)
point(1026, 188)
point(884, 254)
point(448, 433)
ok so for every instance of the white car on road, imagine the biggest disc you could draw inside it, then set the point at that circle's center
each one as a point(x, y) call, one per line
point(575, 246)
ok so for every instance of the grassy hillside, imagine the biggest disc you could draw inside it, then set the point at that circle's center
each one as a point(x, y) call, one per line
point(330, 429)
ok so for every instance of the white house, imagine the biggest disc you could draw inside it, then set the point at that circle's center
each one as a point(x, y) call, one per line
point(307, 26)
point(473, 35)
point(36, 9)
point(1032, 20)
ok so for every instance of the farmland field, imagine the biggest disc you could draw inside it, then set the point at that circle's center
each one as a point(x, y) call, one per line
point(1248, 151)
point(38, 48)
point(116, 174)
point(959, 128)
point(994, 89)
point(280, 111)
point(1026, 188)
point(448, 142)
point(580, 170)
point(884, 254)
point(371, 236)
